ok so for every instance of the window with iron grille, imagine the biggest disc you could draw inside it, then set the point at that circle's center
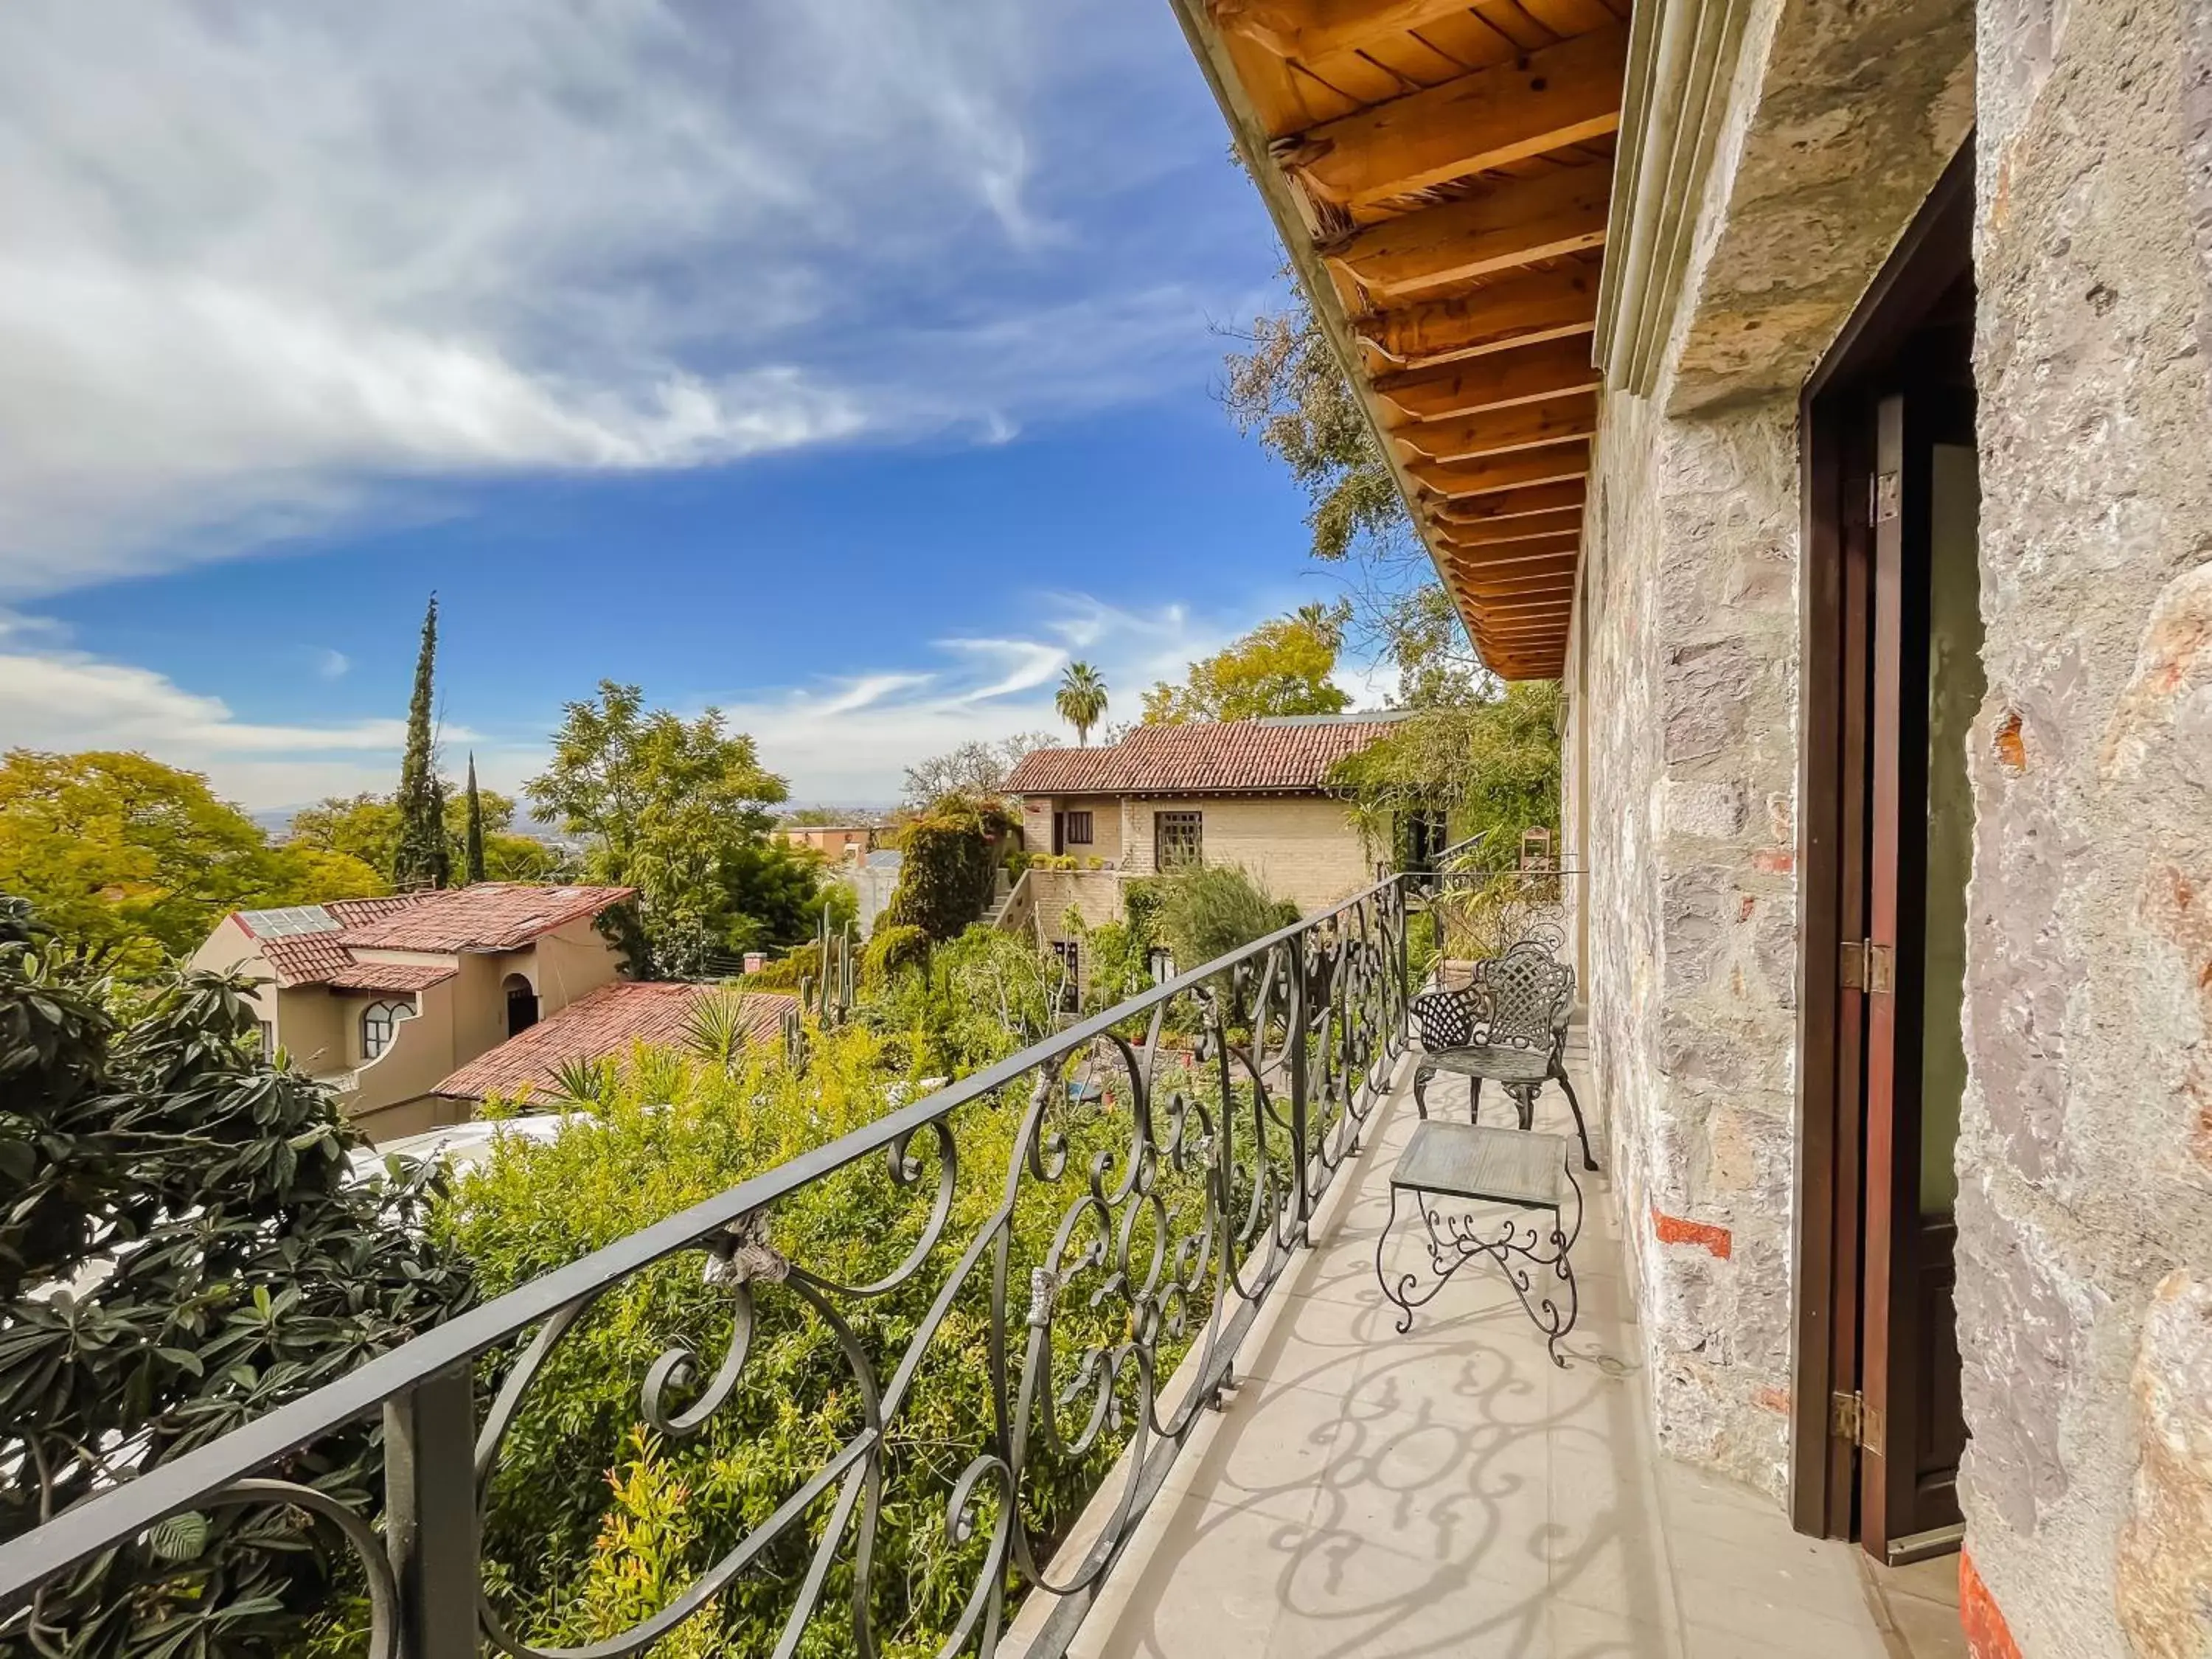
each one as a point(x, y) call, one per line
point(379, 1024)
point(1178, 840)
point(1079, 828)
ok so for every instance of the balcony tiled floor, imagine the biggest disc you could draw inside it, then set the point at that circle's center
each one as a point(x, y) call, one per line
point(1450, 1492)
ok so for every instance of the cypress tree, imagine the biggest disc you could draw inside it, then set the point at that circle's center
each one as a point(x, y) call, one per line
point(474, 847)
point(422, 859)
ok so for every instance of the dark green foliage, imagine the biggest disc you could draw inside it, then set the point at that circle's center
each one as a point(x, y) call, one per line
point(679, 809)
point(891, 949)
point(1490, 763)
point(567, 1540)
point(473, 837)
point(244, 1270)
point(947, 877)
point(422, 859)
point(975, 999)
point(1211, 909)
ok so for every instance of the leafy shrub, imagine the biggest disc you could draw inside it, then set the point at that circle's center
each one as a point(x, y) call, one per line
point(243, 1269)
point(677, 1503)
point(977, 999)
point(891, 950)
point(785, 972)
point(946, 878)
point(1209, 910)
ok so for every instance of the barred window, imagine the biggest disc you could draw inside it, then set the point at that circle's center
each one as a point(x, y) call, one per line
point(1178, 840)
point(1079, 828)
point(1069, 962)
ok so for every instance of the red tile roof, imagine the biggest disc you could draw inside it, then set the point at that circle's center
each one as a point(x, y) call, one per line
point(605, 1022)
point(391, 976)
point(304, 958)
point(358, 912)
point(1290, 756)
point(492, 915)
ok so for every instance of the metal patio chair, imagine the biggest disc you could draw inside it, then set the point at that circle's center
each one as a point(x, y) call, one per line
point(1507, 1026)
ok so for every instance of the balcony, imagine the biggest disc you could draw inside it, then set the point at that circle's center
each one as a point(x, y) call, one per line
point(1452, 1492)
point(1146, 1247)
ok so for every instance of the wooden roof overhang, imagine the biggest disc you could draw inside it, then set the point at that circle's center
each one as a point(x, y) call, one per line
point(1441, 175)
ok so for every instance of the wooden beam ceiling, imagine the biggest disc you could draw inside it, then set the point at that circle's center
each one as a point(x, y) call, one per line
point(1497, 381)
point(1442, 172)
point(1511, 311)
point(1453, 480)
point(1513, 224)
point(1544, 101)
point(1500, 431)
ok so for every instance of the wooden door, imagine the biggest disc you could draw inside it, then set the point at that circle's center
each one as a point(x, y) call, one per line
point(1910, 1430)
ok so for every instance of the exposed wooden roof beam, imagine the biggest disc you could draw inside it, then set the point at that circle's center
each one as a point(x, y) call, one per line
point(1513, 561)
point(1544, 101)
point(1453, 480)
point(1320, 27)
point(1499, 380)
point(1513, 311)
point(1504, 532)
point(1521, 587)
point(1517, 223)
point(1500, 431)
point(1484, 510)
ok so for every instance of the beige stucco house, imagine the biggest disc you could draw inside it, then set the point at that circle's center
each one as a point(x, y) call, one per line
point(1253, 793)
point(382, 999)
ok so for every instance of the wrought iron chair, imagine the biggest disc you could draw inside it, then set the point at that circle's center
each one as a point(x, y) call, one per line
point(1508, 1026)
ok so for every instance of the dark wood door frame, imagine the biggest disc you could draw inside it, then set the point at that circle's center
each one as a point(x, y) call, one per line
point(1835, 552)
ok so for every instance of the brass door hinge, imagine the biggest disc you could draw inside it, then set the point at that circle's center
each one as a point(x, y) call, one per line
point(1851, 1420)
point(1862, 965)
point(1882, 497)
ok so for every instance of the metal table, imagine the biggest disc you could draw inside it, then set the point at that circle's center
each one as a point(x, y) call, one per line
point(1474, 1163)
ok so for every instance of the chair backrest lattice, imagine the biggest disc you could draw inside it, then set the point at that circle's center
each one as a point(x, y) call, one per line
point(1521, 999)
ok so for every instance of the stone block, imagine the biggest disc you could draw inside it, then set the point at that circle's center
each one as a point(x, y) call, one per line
point(2165, 1561)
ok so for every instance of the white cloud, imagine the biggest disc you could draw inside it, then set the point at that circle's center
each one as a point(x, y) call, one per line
point(66, 700)
point(332, 665)
point(268, 266)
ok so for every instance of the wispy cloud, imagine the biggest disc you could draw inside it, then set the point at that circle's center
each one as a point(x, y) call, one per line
point(268, 268)
point(332, 665)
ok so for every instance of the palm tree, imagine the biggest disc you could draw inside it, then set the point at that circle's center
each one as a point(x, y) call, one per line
point(1082, 699)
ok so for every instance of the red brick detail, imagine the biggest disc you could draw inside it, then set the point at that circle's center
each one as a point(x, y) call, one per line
point(1672, 1230)
point(1979, 1616)
point(1745, 907)
point(1774, 860)
point(2011, 748)
point(1773, 1400)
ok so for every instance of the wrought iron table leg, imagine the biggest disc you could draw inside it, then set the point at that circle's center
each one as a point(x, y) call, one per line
point(1475, 1098)
point(1589, 1161)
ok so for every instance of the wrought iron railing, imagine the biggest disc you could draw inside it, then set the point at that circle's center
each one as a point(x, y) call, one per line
point(1151, 1170)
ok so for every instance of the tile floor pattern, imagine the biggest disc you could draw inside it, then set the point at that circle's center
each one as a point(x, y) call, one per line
point(1451, 1492)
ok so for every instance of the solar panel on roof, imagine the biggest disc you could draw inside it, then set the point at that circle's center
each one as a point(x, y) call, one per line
point(288, 920)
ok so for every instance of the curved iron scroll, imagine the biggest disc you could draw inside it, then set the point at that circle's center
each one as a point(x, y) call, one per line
point(1176, 1144)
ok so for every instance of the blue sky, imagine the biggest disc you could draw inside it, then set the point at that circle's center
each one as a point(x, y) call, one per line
point(849, 366)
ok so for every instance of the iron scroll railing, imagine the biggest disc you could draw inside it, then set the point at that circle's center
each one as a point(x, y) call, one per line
point(1181, 1138)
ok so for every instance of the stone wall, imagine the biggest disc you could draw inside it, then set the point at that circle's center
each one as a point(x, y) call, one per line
point(2085, 1293)
point(1839, 121)
point(1692, 690)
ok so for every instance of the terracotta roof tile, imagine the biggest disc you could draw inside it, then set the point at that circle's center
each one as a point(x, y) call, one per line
point(492, 915)
point(358, 912)
point(305, 958)
point(1261, 756)
point(605, 1022)
point(391, 976)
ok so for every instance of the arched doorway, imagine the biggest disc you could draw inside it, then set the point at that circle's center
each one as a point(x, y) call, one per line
point(521, 1004)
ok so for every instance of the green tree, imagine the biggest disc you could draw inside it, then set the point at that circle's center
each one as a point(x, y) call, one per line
point(1081, 699)
point(946, 876)
point(133, 862)
point(472, 834)
point(1287, 388)
point(681, 810)
point(421, 858)
point(1281, 667)
point(1490, 762)
point(367, 827)
point(215, 1260)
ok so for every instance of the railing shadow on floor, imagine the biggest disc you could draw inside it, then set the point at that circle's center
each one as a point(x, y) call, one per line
point(1079, 1221)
